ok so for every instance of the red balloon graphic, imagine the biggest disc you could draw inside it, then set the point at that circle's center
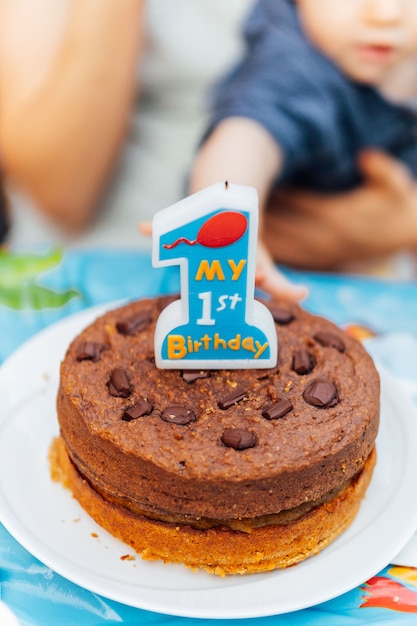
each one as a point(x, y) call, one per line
point(219, 231)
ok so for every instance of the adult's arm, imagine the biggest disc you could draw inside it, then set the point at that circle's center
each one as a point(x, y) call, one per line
point(67, 78)
point(329, 232)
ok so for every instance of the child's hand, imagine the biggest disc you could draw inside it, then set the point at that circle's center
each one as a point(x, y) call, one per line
point(267, 277)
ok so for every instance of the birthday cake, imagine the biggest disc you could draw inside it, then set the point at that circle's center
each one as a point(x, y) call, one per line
point(231, 471)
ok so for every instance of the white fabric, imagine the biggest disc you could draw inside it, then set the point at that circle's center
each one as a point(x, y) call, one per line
point(190, 43)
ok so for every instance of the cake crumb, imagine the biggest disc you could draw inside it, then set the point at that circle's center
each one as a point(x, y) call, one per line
point(127, 557)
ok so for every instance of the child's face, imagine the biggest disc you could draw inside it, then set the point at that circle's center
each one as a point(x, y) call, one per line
point(365, 38)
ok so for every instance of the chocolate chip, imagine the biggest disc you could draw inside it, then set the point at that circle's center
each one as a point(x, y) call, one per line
point(141, 408)
point(264, 374)
point(134, 323)
point(232, 398)
point(90, 350)
point(277, 410)
point(302, 362)
point(331, 340)
point(281, 315)
point(238, 438)
point(119, 385)
point(321, 393)
point(179, 415)
point(191, 375)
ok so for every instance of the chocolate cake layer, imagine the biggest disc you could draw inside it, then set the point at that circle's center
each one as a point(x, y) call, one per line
point(221, 444)
point(223, 549)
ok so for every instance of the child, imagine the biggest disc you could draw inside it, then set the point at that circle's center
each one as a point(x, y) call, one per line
point(321, 81)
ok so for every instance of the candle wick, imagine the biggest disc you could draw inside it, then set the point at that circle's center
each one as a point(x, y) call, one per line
point(226, 184)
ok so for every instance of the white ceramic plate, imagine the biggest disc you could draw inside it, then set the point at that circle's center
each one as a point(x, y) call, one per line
point(47, 521)
point(6, 616)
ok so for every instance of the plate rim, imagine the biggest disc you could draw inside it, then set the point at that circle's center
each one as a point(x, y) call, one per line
point(69, 327)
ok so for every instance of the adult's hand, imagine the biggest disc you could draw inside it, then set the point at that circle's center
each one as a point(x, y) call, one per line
point(320, 231)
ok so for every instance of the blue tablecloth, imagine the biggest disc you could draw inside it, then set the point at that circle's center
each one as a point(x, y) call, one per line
point(41, 287)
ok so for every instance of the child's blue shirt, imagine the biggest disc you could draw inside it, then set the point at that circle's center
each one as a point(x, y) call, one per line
point(319, 117)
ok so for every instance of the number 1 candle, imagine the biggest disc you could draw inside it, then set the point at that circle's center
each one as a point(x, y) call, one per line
point(216, 323)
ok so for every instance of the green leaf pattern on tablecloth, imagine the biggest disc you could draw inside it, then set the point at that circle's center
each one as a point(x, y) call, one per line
point(19, 281)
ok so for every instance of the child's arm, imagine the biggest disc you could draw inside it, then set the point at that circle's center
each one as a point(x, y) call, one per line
point(241, 151)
